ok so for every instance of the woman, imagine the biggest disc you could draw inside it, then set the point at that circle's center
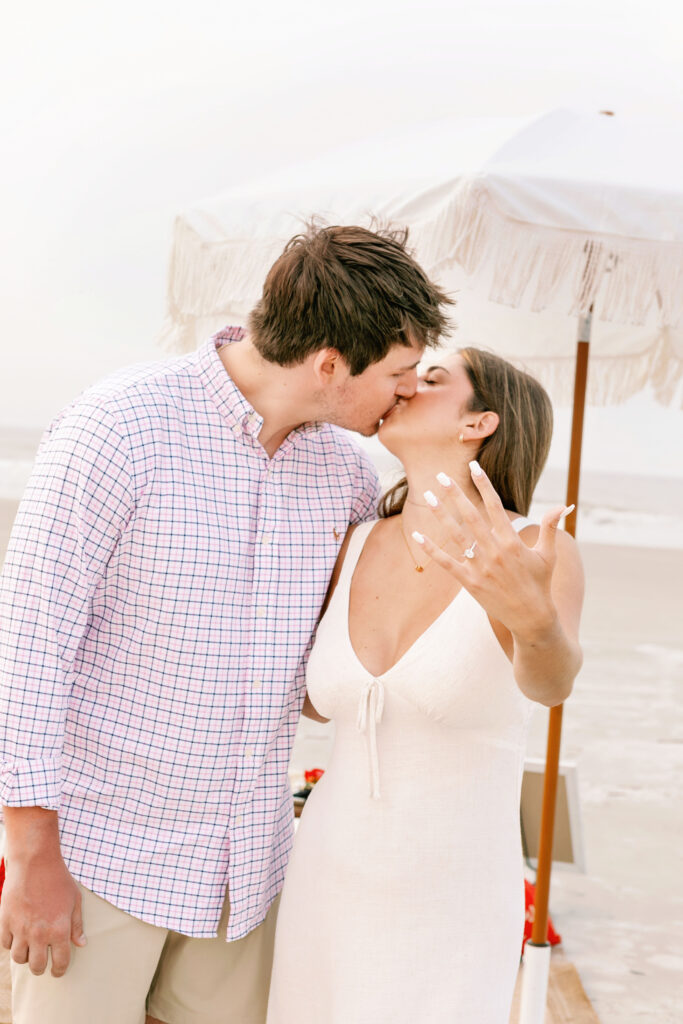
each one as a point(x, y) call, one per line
point(450, 616)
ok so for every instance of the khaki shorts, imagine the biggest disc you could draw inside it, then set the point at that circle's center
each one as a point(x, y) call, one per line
point(129, 966)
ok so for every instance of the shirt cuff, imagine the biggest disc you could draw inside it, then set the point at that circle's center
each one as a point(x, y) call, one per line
point(34, 783)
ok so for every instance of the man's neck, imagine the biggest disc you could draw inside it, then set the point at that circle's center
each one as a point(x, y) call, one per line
point(273, 391)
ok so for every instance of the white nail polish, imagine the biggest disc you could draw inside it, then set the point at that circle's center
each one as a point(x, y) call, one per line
point(431, 499)
point(418, 537)
point(443, 479)
point(475, 468)
point(568, 511)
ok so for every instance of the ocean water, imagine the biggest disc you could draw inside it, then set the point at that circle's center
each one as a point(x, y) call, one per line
point(617, 509)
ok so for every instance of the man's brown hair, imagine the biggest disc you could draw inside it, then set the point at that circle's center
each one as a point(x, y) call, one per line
point(348, 288)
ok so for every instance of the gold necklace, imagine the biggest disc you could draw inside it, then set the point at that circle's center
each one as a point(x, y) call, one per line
point(418, 567)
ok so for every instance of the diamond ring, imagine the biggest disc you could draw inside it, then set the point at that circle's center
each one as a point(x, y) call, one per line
point(469, 552)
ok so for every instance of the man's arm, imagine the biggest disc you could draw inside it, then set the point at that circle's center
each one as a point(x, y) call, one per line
point(41, 902)
point(366, 495)
point(76, 505)
point(308, 710)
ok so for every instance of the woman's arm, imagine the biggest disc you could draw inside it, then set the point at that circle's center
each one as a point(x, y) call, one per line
point(309, 711)
point(546, 656)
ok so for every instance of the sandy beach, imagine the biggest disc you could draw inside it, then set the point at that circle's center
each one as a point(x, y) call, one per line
point(622, 921)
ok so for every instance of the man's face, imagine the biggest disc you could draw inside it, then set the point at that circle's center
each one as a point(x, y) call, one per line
point(361, 402)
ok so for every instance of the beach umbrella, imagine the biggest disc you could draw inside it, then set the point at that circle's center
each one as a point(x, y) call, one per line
point(557, 235)
point(223, 246)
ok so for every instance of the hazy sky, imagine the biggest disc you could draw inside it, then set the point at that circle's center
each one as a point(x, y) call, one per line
point(118, 116)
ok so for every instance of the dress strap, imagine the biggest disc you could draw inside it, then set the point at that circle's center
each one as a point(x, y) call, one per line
point(356, 545)
point(371, 703)
point(522, 523)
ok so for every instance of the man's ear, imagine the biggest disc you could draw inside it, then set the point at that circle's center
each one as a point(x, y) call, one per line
point(329, 367)
point(482, 425)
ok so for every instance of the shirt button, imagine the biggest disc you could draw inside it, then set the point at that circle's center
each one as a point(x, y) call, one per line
point(237, 430)
point(239, 819)
point(266, 538)
point(257, 684)
point(260, 612)
point(249, 753)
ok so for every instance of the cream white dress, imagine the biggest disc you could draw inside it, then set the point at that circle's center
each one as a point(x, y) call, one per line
point(404, 899)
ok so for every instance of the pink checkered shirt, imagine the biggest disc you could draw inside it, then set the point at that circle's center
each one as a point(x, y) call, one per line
point(157, 603)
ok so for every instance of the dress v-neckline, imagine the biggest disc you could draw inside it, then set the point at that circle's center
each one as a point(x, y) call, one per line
point(416, 641)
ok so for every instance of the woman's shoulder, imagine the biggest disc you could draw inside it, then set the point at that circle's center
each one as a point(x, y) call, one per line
point(358, 533)
point(529, 530)
point(523, 524)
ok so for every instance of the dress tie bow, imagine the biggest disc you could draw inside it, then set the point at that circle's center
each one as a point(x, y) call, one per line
point(370, 712)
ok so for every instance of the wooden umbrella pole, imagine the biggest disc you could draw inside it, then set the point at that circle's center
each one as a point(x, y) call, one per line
point(539, 933)
point(580, 383)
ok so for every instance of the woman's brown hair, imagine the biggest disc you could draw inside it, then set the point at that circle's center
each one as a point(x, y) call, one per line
point(514, 455)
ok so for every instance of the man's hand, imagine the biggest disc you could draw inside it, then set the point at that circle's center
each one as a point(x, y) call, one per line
point(41, 902)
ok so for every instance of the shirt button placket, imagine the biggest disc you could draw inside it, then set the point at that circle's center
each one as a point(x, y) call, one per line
point(261, 608)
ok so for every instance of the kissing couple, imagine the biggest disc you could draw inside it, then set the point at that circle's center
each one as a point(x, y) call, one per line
point(202, 552)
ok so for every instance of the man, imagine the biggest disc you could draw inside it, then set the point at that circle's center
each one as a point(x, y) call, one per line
point(163, 581)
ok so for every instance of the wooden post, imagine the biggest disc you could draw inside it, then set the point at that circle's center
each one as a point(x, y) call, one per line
point(539, 933)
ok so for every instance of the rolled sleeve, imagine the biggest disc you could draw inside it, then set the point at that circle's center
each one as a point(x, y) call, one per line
point(31, 783)
point(367, 491)
point(76, 505)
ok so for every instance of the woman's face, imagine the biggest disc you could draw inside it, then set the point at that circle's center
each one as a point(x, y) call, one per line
point(437, 412)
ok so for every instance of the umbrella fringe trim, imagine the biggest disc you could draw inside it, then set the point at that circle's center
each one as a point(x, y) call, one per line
point(626, 280)
point(211, 284)
point(204, 277)
point(613, 379)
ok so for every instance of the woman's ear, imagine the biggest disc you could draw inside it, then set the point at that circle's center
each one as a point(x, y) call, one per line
point(485, 424)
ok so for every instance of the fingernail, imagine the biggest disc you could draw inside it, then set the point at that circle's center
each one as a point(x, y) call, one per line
point(418, 537)
point(431, 499)
point(443, 479)
point(568, 511)
point(475, 468)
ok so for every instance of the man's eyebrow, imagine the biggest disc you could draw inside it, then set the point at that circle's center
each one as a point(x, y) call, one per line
point(430, 369)
point(404, 369)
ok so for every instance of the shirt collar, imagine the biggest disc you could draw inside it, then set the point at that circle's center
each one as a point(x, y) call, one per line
point(237, 412)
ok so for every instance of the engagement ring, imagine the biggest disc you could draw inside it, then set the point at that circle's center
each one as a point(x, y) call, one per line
point(469, 552)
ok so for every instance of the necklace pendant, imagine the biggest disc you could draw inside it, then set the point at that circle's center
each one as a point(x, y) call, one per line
point(419, 568)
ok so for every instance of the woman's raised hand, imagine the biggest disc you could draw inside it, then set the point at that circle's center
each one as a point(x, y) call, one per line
point(509, 579)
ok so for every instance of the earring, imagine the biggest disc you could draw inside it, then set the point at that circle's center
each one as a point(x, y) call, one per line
point(461, 438)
